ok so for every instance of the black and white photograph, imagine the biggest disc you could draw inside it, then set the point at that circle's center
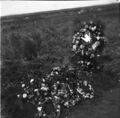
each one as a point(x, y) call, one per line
point(60, 59)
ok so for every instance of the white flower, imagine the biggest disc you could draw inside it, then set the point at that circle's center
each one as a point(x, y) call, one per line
point(42, 84)
point(44, 115)
point(58, 106)
point(44, 87)
point(58, 82)
point(85, 83)
point(32, 80)
point(91, 96)
point(81, 46)
point(88, 63)
point(18, 95)
point(82, 52)
point(52, 74)
point(98, 55)
point(77, 42)
point(56, 97)
point(86, 38)
point(79, 90)
point(39, 108)
point(66, 103)
point(74, 47)
point(23, 85)
point(35, 90)
point(93, 28)
point(56, 73)
point(43, 79)
point(24, 95)
point(82, 62)
point(90, 87)
point(98, 37)
point(95, 45)
point(58, 110)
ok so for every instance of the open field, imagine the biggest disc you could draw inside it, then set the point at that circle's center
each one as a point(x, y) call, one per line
point(34, 43)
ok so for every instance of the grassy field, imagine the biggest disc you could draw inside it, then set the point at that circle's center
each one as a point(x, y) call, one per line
point(34, 43)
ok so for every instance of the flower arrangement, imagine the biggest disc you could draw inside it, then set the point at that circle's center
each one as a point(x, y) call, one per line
point(67, 85)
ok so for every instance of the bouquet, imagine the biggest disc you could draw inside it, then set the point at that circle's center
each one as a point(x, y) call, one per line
point(67, 85)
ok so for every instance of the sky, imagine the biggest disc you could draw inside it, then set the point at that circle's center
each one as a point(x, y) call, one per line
point(21, 7)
